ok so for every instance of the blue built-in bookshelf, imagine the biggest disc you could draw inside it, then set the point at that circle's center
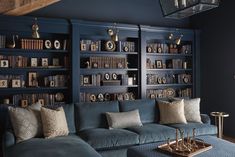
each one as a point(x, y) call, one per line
point(89, 66)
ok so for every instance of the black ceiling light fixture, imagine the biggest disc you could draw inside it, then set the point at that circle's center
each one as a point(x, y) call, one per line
point(178, 9)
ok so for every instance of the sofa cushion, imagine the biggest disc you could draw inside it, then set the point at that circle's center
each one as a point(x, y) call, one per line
point(119, 120)
point(101, 138)
point(92, 115)
point(67, 146)
point(54, 122)
point(146, 107)
point(201, 129)
point(69, 114)
point(153, 132)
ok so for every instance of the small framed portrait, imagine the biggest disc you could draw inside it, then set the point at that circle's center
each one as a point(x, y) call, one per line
point(57, 44)
point(83, 47)
point(94, 47)
point(114, 76)
point(92, 98)
point(86, 80)
point(52, 83)
point(34, 62)
point(16, 83)
point(159, 64)
point(56, 62)
point(110, 45)
point(3, 83)
point(24, 103)
point(107, 76)
point(44, 62)
point(32, 79)
point(4, 63)
point(41, 101)
point(47, 44)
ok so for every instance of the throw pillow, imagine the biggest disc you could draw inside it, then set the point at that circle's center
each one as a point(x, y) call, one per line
point(192, 110)
point(172, 112)
point(26, 123)
point(54, 122)
point(118, 120)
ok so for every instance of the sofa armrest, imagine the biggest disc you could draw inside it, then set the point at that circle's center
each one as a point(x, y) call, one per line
point(205, 119)
point(8, 139)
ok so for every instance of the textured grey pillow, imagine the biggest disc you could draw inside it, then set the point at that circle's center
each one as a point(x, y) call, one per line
point(192, 110)
point(54, 122)
point(172, 112)
point(118, 120)
point(26, 123)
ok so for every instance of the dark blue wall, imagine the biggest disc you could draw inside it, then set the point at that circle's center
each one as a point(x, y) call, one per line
point(145, 12)
point(218, 61)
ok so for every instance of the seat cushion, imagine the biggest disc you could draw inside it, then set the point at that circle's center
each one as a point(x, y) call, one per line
point(201, 129)
point(147, 109)
point(66, 146)
point(102, 139)
point(92, 115)
point(153, 132)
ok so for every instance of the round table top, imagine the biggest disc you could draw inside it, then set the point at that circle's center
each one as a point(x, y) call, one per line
point(219, 114)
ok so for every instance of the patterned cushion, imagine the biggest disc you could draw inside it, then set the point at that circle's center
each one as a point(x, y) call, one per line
point(119, 120)
point(54, 122)
point(172, 112)
point(26, 123)
point(192, 110)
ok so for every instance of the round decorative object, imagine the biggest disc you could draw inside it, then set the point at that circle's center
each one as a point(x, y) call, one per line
point(149, 49)
point(107, 76)
point(159, 50)
point(132, 96)
point(114, 76)
point(110, 32)
point(126, 49)
point(120, 97)
point(159, 80)
point(126, 96)
point(170, 92)
point(110, 45)
point(107, 97)
point(186, 80)
point(100, 97)
point(57, 44)
point(59, 97)
point(48, 44)
point(92, 98)
point(164, 80)
point(152, 96)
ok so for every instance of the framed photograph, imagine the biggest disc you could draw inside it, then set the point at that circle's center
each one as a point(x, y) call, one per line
point(48, 44)
point(16, 83)
point(32, 79)
point(159, 64)
point(24, 103)
point(86, 80)
point(34, 62)
point(44, 62)
point(57, 44)
point(56, 62)
point(4, 63)
point(3, 83)
point(41, 101)
point(107, 76)
point(52, 83)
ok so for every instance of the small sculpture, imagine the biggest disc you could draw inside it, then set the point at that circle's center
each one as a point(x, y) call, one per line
point(12, 44)
point(35, 28)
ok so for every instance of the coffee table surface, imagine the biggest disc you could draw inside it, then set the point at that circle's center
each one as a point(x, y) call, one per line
point(221, 148)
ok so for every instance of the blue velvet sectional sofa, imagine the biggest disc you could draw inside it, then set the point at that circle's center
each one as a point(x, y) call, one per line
point(90, 137)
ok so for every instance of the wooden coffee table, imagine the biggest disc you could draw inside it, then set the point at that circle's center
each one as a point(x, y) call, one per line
point(221, 148)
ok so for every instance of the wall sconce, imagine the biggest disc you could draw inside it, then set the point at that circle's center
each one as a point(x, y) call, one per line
point(35, 29)
point(177, 40)
point(113, 32)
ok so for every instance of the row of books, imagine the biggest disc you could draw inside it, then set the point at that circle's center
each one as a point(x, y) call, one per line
point(24, 100)
point(2, 41)
point(21, 61)
point(107, 62)
point(168, 48)
point(33, 44)
point(56, 81)
point(107, 79)
point(91, 97)
point(169, 92)
point(169, 79)
point(100, 45)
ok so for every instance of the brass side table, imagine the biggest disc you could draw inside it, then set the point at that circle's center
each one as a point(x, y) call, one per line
point(219, 121)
